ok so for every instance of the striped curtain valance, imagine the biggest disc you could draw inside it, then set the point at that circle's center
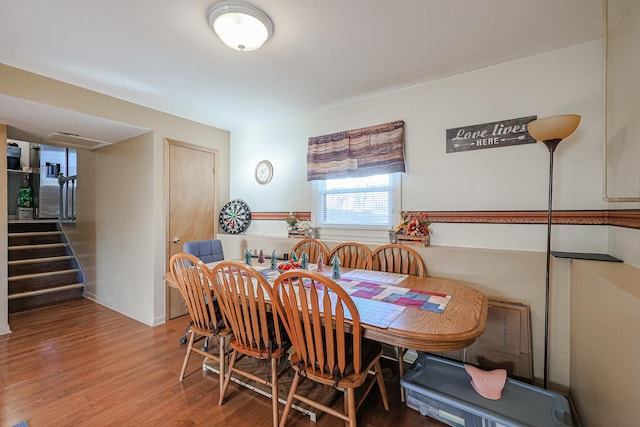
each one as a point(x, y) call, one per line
point(374, 150)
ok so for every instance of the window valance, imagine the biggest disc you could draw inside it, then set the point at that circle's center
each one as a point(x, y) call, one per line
point(373, 150)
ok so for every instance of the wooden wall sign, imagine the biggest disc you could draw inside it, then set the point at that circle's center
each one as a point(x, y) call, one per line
point(490, 135)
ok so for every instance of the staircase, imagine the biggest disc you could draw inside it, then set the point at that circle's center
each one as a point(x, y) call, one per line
point(42, 267)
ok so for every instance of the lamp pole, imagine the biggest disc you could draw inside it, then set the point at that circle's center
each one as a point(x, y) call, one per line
point(551, 145)
point(550, 131)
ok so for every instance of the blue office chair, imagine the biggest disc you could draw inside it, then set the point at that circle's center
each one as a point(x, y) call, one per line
point(207, 250)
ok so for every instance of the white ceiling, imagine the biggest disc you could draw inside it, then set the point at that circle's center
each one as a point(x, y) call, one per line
point(163, 55)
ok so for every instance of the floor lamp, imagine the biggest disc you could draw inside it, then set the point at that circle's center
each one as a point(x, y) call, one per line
point(550, 131)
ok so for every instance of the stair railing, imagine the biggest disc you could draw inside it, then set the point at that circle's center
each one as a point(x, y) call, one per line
point(67, 197)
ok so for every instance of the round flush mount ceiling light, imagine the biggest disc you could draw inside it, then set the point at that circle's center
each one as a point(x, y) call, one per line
point(240, 25)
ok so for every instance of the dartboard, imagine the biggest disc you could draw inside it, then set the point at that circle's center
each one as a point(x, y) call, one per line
point(235, 217)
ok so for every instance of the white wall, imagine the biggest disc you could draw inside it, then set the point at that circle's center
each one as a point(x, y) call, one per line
point(509, 178)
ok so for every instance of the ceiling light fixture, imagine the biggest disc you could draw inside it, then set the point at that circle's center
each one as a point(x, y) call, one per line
point(240, 25)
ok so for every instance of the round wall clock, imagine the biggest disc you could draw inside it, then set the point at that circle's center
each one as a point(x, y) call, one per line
point(264, 172)
point(235, 217)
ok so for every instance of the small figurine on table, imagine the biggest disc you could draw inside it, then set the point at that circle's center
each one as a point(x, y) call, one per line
point(335, 267)
point(247, 256)
point(274, 260)
point(261, 257)
point(304, 261)
point(294, 257)
point(320, 262)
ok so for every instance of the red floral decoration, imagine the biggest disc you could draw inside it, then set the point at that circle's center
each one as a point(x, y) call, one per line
point(413, 225)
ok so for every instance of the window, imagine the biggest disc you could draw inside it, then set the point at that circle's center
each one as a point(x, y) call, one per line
point(366, 201)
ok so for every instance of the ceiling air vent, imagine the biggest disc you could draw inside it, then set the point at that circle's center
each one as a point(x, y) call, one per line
point(73, 140)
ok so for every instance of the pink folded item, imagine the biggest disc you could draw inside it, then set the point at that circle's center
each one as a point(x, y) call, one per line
point(488, 384)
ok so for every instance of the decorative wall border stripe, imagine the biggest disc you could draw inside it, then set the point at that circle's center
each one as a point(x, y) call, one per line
point(628, 218)
point(280, 216)
point(621, 218)
point(519, 217)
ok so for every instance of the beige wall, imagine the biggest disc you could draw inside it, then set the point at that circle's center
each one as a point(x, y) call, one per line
point(125, 235)
point(605, 342)
point(124, 193)
point(83, 233)
point(4, 325)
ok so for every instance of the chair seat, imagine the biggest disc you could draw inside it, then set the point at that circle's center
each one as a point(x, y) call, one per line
point(262, 353)
point(370, 352)
point(213, 344)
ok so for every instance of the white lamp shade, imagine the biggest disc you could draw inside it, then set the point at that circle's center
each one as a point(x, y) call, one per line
point(240, 25)
point(554, 127)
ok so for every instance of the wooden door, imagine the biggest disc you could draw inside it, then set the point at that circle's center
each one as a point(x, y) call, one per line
point(191, 205)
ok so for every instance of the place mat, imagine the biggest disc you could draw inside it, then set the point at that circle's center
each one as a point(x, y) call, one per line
point(423, 300)
point(380, 292)
point(374, 313)
point(375, 276)
point(377, 313)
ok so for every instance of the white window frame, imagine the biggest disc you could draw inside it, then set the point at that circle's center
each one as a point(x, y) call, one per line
point(358, 232)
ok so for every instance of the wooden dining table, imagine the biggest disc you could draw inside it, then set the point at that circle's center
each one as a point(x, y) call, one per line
point(456, 327)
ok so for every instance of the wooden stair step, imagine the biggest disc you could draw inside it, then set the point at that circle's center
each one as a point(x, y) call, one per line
point(42, 299)
point(40, 265)
point(22, 254)
point(35, 233)
point(38, 246)
point(21, 239)
point(37, 260)
point(39, 225)
point(36, 281)
point(38, 275)
point(45, 291)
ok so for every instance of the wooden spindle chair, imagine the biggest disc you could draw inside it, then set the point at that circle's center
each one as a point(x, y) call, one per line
point(192, 278)
point(329, 348)
point(397, 258)
point(244, 296)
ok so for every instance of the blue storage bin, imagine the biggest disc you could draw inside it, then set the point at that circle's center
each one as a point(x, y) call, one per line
point(441, 389)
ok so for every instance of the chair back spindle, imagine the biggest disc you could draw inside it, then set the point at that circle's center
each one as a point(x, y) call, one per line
point(396, 258)
point(352, 255)
point(244, 295)
point(314, 310)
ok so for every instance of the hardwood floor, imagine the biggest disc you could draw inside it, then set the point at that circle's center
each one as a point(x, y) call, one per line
point(81, 364)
